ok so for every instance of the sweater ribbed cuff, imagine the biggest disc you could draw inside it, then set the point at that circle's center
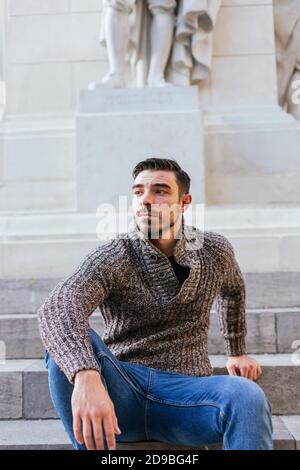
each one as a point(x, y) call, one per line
point(73, 365)
point(71, 373)
point(236, 346)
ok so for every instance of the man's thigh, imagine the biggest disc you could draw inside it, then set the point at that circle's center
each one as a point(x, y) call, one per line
point(190, 410)
point(195, 425)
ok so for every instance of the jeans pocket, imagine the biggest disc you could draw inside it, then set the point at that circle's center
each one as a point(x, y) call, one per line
point(122, 371)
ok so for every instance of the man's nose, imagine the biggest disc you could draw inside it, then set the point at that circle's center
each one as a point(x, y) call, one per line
point(147, 199)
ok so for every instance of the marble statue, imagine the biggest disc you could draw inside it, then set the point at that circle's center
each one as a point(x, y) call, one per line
point(287, 36)
point(157, 43)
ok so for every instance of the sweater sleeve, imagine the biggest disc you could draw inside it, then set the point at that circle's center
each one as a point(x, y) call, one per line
point(63, 317)
point(231, 307)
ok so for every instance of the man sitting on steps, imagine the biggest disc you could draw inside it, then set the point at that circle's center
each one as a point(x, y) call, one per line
point(149, 377)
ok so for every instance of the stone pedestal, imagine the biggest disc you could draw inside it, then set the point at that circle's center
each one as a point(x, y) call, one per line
point(251, 156)
point(117, 128)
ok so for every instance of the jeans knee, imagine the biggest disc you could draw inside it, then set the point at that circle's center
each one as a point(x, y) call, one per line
point(253, 396)
point(245, 394)
point(259, 400)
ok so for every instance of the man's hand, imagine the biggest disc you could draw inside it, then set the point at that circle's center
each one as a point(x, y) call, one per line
point(245, 366)
point(92, 406)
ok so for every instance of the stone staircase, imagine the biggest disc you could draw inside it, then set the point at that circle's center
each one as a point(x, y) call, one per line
point(29, 421)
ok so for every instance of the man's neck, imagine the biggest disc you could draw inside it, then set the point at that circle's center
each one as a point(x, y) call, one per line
point(167, 244)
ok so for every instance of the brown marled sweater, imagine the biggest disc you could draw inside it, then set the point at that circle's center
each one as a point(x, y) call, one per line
point(149, 317)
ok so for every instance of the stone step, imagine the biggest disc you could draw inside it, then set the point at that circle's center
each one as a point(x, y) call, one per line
point(50, 435)
point(263, 289)
point(269, 331)
point(24, 389)
point(21, 434)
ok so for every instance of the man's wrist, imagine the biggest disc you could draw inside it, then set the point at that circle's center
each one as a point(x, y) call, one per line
point(86, 375)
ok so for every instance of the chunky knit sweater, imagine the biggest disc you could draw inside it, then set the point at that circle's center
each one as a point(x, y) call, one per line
point(150, 318)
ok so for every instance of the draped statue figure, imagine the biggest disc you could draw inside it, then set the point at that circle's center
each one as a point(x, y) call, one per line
point(287, 35)
point(157, 43)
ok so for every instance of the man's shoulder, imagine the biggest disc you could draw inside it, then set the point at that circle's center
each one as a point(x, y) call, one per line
point(109, 250)
point(216, 244)
point(217, 241)
point(210, 238)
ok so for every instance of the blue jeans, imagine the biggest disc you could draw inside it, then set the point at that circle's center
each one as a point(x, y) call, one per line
point(180, 409)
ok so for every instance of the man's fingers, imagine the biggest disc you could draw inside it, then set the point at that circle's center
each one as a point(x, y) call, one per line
point(109, 431)
point(249, 373)
point(255, 373)
point(258, 372)
point(116, 426)
point(117, 430)
point(115, 420)
point(231, 370)
point(248, 369)
point(77, 428)
point(244, 372)
point(87, 434)
point(98, 432)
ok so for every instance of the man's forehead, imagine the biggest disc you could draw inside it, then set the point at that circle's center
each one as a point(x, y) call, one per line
point(149, 177)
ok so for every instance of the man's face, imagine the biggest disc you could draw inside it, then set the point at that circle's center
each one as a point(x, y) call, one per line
point(156, 204)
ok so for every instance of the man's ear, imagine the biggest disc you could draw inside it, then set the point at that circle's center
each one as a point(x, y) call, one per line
point(186, 200)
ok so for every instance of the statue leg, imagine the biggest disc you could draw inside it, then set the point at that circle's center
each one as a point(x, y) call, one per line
point(117, 31)
point(162, 30)
point(117, 38)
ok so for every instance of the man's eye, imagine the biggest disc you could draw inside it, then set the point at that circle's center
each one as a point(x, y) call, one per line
point(161, 191)
point(137, 192)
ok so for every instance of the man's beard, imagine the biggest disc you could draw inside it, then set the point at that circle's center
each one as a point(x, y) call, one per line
point(161, 230)
point(160, 225)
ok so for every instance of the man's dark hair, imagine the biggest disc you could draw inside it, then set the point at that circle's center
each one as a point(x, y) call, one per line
point(182, 178)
